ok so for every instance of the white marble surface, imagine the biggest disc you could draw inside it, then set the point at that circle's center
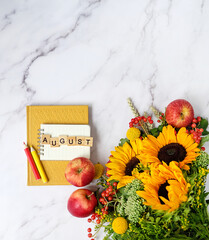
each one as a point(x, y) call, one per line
point(96, 52)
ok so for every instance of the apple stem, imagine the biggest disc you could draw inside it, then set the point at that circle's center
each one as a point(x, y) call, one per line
point(90, 195)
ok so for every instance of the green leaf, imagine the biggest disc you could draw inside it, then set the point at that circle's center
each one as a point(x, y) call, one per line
point(205, 194)
point(123, 140)
point(204, 140)
point(205, 132)
point(203, 124)
point(160, 128)
point(154, 132)
point(157, 220)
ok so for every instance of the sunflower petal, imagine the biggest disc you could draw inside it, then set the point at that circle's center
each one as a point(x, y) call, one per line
point(118, 166)
point(154, 141)
point(137, 146)
point(114, 177)
point(124, 181)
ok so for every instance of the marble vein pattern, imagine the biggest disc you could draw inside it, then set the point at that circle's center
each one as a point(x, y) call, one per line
point(95, 52)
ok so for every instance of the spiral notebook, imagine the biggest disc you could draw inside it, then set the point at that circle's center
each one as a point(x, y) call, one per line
point(60, 133)
point(37, 115)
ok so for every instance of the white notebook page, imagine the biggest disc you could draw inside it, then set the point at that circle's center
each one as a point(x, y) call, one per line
point(64, 152)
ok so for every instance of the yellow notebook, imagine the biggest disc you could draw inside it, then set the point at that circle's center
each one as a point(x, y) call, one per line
point(37, 115)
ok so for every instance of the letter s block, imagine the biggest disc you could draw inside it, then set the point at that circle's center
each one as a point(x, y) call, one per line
point(80, 141)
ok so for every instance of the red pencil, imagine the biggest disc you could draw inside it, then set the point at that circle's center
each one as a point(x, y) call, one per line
point(31, 161)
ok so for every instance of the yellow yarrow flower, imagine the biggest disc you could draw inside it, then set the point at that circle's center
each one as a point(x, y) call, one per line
point(99, 169)
point(133, 133)
point(120, 225)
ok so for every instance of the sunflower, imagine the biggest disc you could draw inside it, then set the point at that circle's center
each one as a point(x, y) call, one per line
point(168, 147)
point(165, 188)
point(122, 162)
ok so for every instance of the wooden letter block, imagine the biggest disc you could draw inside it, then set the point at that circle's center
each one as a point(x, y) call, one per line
point(71, 141)
point(88, 141)
point(45, 139)
point(80, 141)
point(62, 140)
point(54, 142)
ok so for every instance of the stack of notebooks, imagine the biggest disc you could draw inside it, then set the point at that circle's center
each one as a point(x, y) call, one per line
point(56, 121)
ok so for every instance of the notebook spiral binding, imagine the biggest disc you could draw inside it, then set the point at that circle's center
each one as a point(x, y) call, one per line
point(39, 145)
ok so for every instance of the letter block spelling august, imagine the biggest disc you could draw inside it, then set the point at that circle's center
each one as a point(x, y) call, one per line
point(65, 140)
point(45, 139)
point(88, 141)
point(71, 141)
point(80, 141)
point(62, 140)
point(54, 142)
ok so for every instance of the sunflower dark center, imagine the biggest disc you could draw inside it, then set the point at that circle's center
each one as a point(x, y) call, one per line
point(172, 152)
point(131, 165)
point(163, 191)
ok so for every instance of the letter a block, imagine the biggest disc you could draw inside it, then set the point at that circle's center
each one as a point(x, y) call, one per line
point(45, 139)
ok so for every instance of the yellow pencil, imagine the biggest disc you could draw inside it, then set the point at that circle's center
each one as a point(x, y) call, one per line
point(39, 165)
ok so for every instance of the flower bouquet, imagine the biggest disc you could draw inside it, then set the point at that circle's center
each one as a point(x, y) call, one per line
point(154, 187)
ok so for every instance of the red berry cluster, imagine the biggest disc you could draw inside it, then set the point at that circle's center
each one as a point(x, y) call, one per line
point(161, 118)
point(107, 196)
point(195, 132)
point(94, 216)
point(89, 233)
point(136, 121)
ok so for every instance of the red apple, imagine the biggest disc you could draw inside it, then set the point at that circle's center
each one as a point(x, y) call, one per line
point(179, 113)
point(82, 203)
point(80, 171)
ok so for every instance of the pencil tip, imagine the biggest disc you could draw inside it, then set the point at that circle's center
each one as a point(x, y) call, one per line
point(31, 148)
point(24, 143)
